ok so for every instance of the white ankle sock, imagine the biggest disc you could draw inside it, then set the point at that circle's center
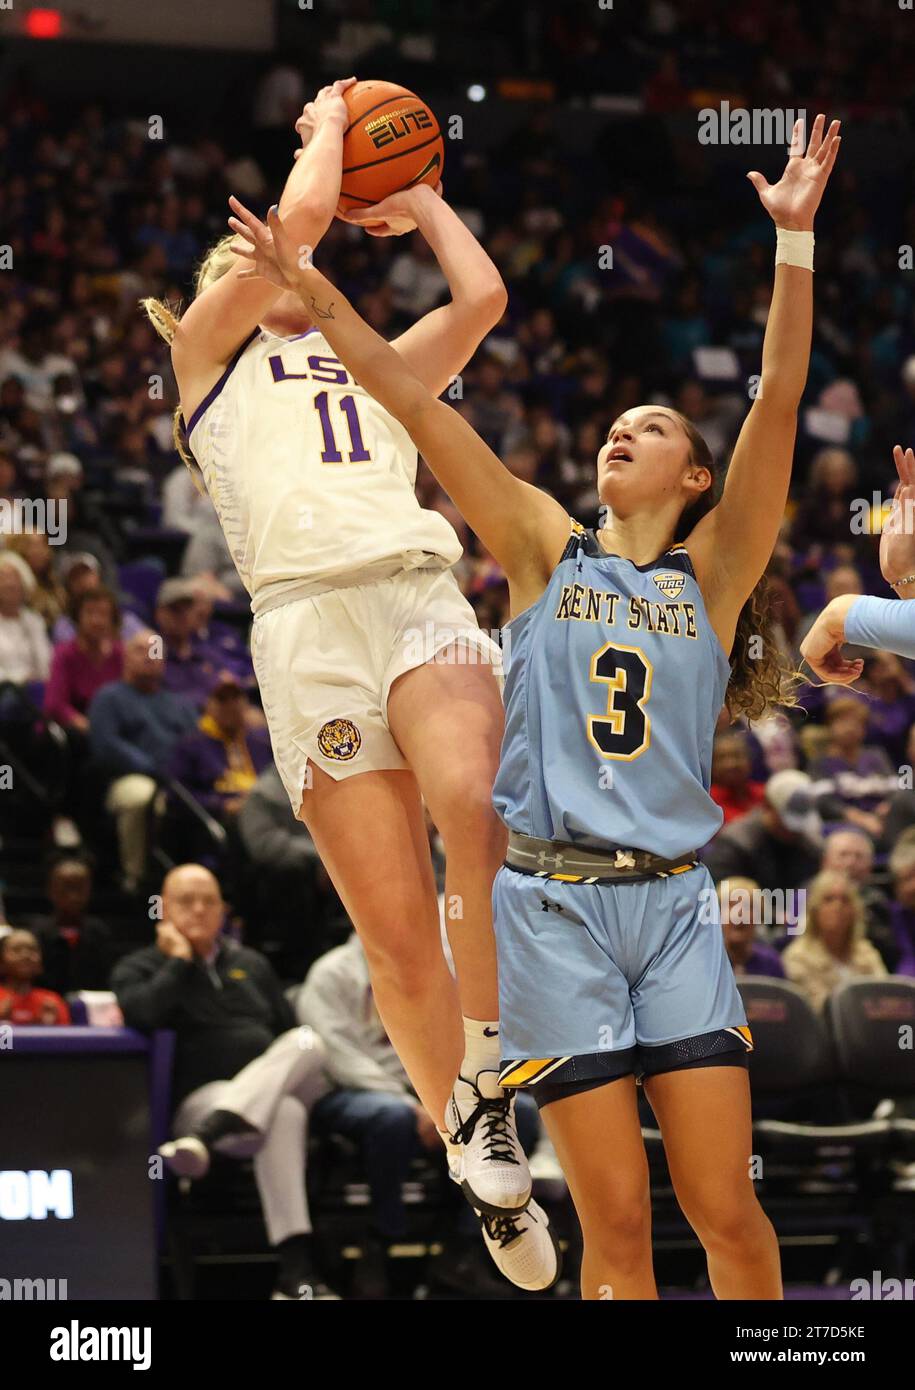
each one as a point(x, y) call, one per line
point(482, 1047)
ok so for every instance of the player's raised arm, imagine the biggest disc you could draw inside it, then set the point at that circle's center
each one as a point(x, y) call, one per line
point(731, 546)
point(861, 619)
point(217, 322)
point(444, 340)
point(522, 527)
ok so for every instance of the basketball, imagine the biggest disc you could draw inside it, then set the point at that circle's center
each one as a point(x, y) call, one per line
point(393, 141)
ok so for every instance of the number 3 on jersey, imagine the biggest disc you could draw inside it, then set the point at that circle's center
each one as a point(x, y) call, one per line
point(624, 732)
point(358, 453)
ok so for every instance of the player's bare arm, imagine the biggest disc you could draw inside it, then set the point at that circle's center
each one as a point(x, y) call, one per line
point(822, 647)
point(443, 341)
point(731, 546)
point(217, 322)
point(522, 527)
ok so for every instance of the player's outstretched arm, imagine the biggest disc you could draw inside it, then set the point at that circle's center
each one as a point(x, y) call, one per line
point(523, 528)
point(443, 341)
point(732, 545)
point(873, 622)
point(219, 320)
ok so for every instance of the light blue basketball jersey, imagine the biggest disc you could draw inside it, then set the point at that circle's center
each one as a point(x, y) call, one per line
point(614, 682)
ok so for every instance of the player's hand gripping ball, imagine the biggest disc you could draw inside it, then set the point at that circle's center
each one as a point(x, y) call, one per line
point(393, 142)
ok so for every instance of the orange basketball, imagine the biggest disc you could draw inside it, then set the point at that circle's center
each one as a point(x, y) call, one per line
point(392, 142)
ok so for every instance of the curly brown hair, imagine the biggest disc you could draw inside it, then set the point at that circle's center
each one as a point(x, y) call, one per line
point(757, 683)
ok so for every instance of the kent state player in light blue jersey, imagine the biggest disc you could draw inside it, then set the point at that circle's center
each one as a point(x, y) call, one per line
point(625, 643)
point(861, 619)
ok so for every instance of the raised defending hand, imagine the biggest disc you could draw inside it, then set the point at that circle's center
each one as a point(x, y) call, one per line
point(793, 201)
point(267, 247)
point(897, 538)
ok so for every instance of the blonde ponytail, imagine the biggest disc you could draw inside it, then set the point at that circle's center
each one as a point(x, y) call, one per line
point(166, 320)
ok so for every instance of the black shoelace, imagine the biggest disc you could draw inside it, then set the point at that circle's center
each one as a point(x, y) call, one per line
point(503, 1229)
point(494, 1115)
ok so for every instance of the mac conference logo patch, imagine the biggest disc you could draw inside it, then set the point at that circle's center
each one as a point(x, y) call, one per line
point(339, 739)
point(670, 584)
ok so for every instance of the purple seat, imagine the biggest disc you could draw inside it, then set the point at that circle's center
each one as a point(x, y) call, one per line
point(139, 581)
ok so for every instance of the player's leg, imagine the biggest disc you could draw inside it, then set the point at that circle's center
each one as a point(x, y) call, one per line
point(598, 1141)
point(370, 833)
point(446, 716)
point(704, 1117)
point(693, 1045)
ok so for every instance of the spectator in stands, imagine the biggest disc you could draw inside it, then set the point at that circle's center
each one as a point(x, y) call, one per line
point(825, 511)
point(206, 561)
point(89, 528)
point(850, 851)
point(220, 760)
point(20, 967)
point(76, 946)
point(890, 694)
point(285, 887)
point(245, 1078)
point(133, 726)
point(91, 659)
point(901, 812)
point(227, 647)
point(275, 839)
point(902, 907)
point(857, 776)
point(741, 905)
point(833, 947)
point(25, 652)
point(189, 663)
point(183, 507)
point(493, 409)
point(732, 786)
point(373, 1103)
point(47, 597)
point(779, 843)
point(80, 572)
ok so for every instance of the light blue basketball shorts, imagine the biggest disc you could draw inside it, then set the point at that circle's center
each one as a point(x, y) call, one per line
point(603, 980)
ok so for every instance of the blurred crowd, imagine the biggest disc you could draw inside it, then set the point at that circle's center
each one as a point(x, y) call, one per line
point(162, 750)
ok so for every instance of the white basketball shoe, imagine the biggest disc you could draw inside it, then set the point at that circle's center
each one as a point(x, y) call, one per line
point(494, 1175)
point(523, 1247)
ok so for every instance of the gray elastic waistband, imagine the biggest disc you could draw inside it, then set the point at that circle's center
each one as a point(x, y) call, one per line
point(557, 859)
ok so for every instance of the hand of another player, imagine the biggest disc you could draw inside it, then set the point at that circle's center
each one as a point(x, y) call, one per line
point(897, 536)
point(394, 215)
point(328, 105)
point(267, 247)
point(822, 647)
point(792, 202)
point(171, 942)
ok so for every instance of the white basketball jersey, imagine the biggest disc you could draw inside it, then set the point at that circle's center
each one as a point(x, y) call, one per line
point(311, 479)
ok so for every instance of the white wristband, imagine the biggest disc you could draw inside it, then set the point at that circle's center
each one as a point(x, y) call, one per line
point(794, 248)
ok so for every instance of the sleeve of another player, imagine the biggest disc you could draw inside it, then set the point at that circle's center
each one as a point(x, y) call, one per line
point(885, 623)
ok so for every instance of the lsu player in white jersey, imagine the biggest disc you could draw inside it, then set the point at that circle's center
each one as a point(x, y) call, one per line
point(379, 688)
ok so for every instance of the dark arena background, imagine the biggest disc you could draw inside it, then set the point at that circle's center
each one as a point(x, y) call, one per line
point(598, 152)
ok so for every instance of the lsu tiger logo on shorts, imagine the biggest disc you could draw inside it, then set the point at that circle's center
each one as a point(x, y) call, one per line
point(339, 739)
point(670, 584)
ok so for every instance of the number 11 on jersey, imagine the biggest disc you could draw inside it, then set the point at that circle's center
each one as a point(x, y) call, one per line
point(357, 451)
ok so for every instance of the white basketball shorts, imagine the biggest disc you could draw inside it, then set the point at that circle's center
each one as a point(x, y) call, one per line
point(325, 666)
